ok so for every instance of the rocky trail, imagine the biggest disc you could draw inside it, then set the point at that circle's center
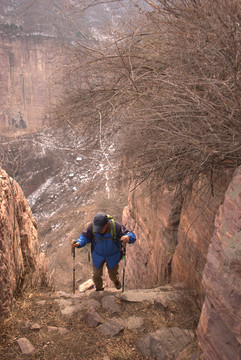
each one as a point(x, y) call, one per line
point(108, 325)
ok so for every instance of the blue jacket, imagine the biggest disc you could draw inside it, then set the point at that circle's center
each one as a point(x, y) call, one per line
point(103, 246)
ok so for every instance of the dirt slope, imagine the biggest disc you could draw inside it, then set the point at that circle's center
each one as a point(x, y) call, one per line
point(78, 340)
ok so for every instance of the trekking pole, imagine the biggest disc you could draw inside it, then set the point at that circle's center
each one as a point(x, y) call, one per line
point(73, 253)
point(124, 268)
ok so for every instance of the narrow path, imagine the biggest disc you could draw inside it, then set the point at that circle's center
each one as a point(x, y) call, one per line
point(91, 325)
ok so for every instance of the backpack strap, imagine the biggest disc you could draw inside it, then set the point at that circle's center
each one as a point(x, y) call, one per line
point(112, 228)
point(112, 231)
point(113, 236)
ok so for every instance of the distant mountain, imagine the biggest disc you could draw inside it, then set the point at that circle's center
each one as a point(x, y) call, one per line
point(35, 17)
point(61, 19)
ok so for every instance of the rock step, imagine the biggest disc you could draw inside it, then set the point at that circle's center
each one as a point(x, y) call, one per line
point(104, 312)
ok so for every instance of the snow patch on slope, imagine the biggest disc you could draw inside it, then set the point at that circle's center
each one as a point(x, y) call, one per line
point(36, 194)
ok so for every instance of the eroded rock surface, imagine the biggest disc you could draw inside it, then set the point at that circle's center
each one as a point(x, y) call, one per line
point(195, 232)
point(154, 217)
point(21, 262)
point(27, 64)
point(219, 330)
point(173, 234)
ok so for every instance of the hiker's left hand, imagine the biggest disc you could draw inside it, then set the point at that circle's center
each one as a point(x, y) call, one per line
point(125, 239)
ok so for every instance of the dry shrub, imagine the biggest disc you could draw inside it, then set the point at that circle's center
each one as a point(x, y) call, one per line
point(165, 89)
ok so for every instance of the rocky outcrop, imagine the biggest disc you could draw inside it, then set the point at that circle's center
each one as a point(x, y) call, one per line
point(173, 235)
point(154, 219)
point(21, 262)
point(219, 330)
point(27, 84)
point(204, 244)
point(195, 232)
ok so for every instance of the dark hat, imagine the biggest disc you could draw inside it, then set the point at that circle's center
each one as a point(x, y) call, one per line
point(100, 220)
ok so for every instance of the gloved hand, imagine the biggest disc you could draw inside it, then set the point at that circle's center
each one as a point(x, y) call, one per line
point(74, 244)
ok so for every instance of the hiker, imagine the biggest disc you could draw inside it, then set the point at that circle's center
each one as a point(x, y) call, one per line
point(107, 238)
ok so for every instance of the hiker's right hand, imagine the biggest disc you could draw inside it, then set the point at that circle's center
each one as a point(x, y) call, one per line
point(74, 244)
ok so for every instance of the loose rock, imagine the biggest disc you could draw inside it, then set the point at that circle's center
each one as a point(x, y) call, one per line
point(133, 322)
point(41, 302)
point(87, 285)
point(110, 328)
point(92, 318)
point(60, 330)
point(165, 343)
point(109, 303)
point(158, 297)
point(35, 327)
point(25, 346)
point(192, 352)
point(70, 309)
point(52, 328)
point(90, 303)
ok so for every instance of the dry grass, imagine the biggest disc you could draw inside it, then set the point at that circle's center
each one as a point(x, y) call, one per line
point(82, 341)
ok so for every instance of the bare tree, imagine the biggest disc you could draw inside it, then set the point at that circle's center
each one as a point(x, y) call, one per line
point(166, 83)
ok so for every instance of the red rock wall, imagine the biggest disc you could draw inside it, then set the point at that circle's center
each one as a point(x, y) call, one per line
point(195, 232)
point(219, 330)
point(173, 235)
point(154, 218)
point(28, 72)
point(21, 262)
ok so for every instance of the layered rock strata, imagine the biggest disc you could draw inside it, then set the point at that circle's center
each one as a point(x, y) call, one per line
point(173, 234)
point(195, 232)
point(219, 330)
point(28, 82)
point(154, 219)
point(21, 262)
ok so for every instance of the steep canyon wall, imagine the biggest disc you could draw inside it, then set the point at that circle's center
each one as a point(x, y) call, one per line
point(219, 330)
point(195, 242)
point(195, 231)
point(28, 86)
point(155, 221)
point(173, 233)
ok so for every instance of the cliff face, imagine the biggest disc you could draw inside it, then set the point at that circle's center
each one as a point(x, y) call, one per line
point(219, 330)
point(27, 85)
point(173, 235)
point(195, 232)
point(154, 220)
point(197, 243)
point(21, 262)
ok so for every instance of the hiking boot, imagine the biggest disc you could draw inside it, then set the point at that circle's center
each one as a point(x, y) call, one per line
point(102, 289)
point(117, 285)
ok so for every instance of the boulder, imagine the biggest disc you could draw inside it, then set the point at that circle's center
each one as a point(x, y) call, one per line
point(165, 343)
